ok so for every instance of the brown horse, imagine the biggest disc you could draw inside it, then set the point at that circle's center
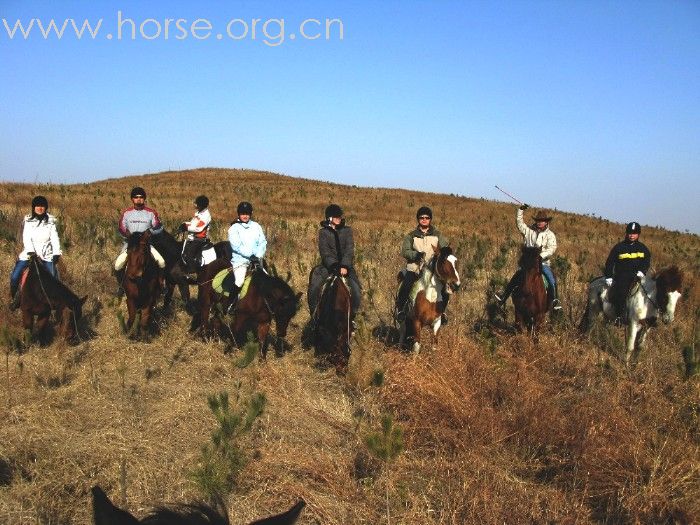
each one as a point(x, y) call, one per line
point(426, 305)
point(530, 298)
point(332, 327)
point(268, 297)
point(40, 294)
point(142, 283)
point(106, 513)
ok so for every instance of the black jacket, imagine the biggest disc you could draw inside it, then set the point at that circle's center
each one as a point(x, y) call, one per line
point(336, 246)
point(628, 257)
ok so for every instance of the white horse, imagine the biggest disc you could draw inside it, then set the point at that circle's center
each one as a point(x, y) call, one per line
point(649, 299)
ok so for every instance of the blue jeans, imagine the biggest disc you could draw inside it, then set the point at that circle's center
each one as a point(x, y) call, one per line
point(20, 265)
point(547, 271)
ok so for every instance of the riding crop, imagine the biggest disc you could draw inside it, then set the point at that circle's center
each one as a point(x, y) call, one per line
point(509, 195)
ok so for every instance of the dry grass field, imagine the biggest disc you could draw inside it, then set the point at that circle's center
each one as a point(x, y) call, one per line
point(495, 428)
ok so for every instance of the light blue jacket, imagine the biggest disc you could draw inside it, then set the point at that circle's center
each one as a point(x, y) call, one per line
point(246, 239)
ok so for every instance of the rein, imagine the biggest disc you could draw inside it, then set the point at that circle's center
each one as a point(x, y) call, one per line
point(41, 284)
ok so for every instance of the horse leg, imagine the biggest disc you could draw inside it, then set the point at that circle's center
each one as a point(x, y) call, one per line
point(42, 322)
point(263, 333)
point(28, 324)
point(416, 334)
point(630, 340)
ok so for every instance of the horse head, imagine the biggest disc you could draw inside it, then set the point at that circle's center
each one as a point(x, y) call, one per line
point(668, 286)
point(445, 267)
point(137, 255)
point(530, 257)
point(280, 298)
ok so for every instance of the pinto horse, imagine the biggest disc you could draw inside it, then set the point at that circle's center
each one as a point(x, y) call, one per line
point(268, 297)
point(142, 282)
point(332, 327)
point(647, 300)
point(106, 513)
point(175, 269)
point(425, 302)
point(530, 298)
point(42, 292)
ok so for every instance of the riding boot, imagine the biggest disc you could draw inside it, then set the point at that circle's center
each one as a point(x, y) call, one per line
point(15, 295)
point(556, 304)
point(445, 300)
point(409, 279)
point(233, 291)
point(502, 298)
point(119, 275)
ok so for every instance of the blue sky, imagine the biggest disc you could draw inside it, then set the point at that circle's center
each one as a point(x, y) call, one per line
point(592, 107)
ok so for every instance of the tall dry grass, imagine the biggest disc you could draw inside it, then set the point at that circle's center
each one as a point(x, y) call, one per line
point(497, 429)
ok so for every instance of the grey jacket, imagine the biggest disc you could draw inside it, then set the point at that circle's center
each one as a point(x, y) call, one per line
point(336, 247)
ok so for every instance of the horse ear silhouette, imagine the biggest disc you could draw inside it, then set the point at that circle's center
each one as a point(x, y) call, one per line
point(299, 294)
point(106, 513)
point(436, 250)
point(289, 276)
point(82, 300)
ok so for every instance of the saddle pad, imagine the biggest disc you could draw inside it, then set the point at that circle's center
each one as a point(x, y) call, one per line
point(208, 255)
point(218, 280)
point(23, 278)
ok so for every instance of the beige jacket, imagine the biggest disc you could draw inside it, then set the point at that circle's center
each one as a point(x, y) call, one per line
point(417, 247)
point(545, 239)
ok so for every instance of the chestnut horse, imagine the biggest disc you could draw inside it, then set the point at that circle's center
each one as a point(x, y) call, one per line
point(106, 513)
point(142, 282)
point(42, 292)
point(332, 327)
point(268, 297)
point(425, 303)
point(530, 297)
point(648, 299)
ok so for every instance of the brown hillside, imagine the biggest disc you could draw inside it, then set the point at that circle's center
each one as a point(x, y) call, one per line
point(496, 429)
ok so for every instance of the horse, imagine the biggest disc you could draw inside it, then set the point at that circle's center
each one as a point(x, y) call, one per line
point(530, 298)
point(268, 297)
point(647, 300)
point(142, 282)
point(41, 292)
point(106, 513)
point(332, 327)
point(175, 268)
point(425, 306)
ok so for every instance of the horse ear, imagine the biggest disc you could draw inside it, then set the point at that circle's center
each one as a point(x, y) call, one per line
point(289, 276)
point(82, 300)
point(436, 250)
point(299, 294)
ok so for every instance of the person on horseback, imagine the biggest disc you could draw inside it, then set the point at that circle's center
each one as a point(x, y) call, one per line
point(627, 261)
point(197, 229)
point(40, 237)
point(137, 218)
point(248, 244)
point(337, 249)
point(540, 235)
point(417, 249)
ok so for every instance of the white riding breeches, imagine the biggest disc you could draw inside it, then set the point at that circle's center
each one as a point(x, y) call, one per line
point(120, 261)
point(239, 275)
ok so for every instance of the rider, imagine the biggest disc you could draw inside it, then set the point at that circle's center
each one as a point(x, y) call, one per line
point(628, 260)
point(540, 235)
point(39, 236)
point(337, 249)
point(197, 228)
point(248, 244)
point(417, 249)
point(137, 218)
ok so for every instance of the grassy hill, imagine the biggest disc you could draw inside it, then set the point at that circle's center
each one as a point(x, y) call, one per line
point(496, 429)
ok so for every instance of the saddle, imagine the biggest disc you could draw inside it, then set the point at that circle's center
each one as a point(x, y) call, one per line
point(324, 295)
point(222, 283)
point(196, 254)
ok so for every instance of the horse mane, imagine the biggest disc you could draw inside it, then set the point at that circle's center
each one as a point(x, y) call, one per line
point(669, 279)
point(529, 254)
point(134, 239)
point(267, 284)
point(54, 289)
point(166, 244)
point(445, 251)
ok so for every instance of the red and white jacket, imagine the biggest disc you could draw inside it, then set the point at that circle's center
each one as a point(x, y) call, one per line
point(198, 226)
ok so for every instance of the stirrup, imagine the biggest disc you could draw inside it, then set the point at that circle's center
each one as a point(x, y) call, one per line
point(556, 304)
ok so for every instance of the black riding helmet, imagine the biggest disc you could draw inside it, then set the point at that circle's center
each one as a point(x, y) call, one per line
point(138, 191)
point(201, 202)
point(424, 210)
point(333, 210)
point(633, 227)
point(244, 208)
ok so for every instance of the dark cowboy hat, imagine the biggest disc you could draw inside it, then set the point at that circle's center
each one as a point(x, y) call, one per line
point(542, 215)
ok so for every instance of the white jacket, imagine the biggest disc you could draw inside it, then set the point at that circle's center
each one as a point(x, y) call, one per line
point(40, 238)
point(546, 239)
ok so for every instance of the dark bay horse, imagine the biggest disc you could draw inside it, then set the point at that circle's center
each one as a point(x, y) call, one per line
point(268, 297)
point(332, 327)
point(142, 282)
point(106, 513)
point(40, 294)
point(425, 302)
point(648, 299)
point(175, 269)
point(530, 298)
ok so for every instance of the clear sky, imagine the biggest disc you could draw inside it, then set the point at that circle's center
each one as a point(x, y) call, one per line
point(589, 106)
